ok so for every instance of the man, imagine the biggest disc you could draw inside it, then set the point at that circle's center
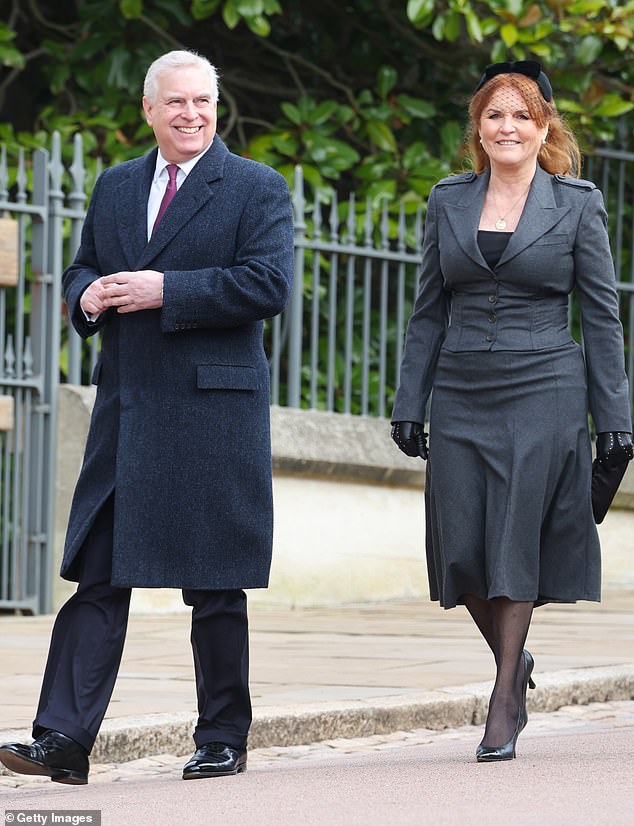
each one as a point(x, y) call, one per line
point(175, 488)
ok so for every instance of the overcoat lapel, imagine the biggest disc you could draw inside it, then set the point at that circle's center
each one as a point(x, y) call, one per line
point(131, 209)
point(190, 198)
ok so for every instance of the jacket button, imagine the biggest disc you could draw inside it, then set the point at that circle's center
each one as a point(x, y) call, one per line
point(490, 337)
point(493, 299)
point(492, 317)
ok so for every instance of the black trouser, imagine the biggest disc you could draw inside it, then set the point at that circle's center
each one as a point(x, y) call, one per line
point(87, 644)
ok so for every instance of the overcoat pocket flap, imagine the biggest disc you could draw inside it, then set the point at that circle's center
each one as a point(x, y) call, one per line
point(227, 377)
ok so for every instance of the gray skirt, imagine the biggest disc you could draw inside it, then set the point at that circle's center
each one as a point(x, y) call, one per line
point(508, 504)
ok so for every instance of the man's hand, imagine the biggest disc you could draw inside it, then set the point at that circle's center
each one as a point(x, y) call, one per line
point(127, 292)
point(93, 299)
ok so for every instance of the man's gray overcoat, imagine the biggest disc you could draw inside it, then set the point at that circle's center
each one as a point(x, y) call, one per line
point(180, 427)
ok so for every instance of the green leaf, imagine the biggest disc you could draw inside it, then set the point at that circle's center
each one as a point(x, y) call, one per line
point(588, 49)
point(381, 135)
point(451, 136)
point(176, 10)
point(272, 7)
point(323, 112)
point(612, 106)
point(473, 26)
point(6, 34)
point(541, 49)
point(417, 107)
point(566, 105)
point(230, 14)
point(201, 9)
point(509, 34)
point(415, 154)
point(583, 8)
point(259, 25)
point(131, 9)
point(11, 57)
point(452, 26)
point(386, 79)
point(420, 12)
point(292, 113)
point(381, 191)
point(285, 144)
point(438, 27)
point(498, 52)
point(514, 7)
point(249, 8)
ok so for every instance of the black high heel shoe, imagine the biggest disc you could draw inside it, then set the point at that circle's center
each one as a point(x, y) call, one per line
point(493, 754)
point(528, 682)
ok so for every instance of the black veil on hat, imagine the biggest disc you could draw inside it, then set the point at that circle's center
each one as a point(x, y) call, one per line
point(528, 68)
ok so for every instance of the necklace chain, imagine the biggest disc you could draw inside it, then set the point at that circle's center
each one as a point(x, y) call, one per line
point(501, 221)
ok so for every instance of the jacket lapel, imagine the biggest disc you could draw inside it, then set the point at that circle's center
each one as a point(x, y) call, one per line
point(540, 215)
point(194, 193)
point(131, 208)
point(464, 217)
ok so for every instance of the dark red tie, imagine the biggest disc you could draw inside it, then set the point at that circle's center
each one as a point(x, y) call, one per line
point(170, 191)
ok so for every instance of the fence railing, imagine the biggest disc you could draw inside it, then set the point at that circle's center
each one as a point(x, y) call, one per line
point(338, 346)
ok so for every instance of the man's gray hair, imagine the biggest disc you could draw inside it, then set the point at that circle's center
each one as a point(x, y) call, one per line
point(176, 60)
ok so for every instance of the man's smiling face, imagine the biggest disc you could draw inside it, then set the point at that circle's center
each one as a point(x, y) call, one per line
point(183, 116)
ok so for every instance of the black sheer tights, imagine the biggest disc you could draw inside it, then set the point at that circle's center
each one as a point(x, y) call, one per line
point(504, 625)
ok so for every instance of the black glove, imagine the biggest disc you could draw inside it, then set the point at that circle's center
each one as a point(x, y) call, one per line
point(614, 449)
point(410, 438)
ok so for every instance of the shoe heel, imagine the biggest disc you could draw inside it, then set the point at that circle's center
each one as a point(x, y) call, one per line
point(68, 777)
point(531, 683)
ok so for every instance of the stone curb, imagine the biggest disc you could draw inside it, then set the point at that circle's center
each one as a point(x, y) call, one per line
point(129, 738)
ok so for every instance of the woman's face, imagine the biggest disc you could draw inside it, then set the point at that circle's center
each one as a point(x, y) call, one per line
point(509, 135)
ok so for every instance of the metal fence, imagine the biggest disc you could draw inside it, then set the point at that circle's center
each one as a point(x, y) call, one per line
point(337, 347)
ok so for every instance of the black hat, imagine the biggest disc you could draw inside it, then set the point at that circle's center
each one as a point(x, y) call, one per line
point(529, 68)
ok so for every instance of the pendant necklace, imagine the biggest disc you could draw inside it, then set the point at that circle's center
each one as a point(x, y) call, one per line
point(501, 221)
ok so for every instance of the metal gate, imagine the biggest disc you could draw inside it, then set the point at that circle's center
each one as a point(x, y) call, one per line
point(33, 236)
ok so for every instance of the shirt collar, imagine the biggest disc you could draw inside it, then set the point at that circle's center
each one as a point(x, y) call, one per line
point(185, 167)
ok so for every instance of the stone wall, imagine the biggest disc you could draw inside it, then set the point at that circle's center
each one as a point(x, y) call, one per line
point(349, 512)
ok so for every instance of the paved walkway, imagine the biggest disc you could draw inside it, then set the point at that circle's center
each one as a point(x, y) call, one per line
point(346, 670)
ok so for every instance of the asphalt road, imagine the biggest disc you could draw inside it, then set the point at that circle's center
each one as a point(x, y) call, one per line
point(573, 767)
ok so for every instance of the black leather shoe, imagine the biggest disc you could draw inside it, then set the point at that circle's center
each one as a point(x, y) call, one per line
point(493, 754)
point(53, 754)
point(215, 760)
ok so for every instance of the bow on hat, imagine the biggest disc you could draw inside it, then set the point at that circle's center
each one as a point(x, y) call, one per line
point(529, 68)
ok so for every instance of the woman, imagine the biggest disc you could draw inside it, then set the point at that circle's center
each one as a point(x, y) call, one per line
point(509, 512)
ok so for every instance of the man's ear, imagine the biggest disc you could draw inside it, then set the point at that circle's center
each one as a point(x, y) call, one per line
point(147, 108)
